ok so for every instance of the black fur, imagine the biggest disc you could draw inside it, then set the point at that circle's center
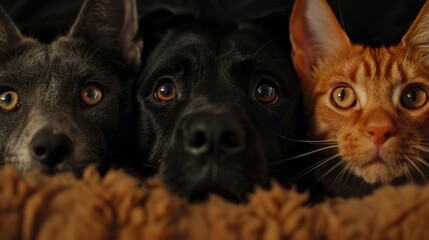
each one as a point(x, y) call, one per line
point(217, 71)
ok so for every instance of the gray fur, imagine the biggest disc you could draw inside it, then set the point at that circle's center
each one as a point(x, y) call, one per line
point(49, 78)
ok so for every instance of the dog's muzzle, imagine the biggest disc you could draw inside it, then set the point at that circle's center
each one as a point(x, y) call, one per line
point(50, 148)
point(221, 150)
point(213, 134)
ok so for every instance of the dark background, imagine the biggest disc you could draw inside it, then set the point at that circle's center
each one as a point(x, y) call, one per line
point(373, 22)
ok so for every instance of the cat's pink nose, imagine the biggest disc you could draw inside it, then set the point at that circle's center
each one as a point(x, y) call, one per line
point(379, 132)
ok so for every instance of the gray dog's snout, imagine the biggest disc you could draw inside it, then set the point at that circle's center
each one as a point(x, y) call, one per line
point(213, 134)
point(50, 148)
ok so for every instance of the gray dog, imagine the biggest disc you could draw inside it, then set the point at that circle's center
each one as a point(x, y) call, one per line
point(68, 104)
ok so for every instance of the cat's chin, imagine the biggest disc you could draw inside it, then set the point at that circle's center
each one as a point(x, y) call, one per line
point(377, 171)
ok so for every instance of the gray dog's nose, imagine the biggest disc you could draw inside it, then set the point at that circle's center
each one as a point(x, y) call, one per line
point(214, 134)
point(49, 148)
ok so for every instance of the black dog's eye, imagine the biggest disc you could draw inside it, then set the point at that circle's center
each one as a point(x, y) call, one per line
point(266, 93)
point(166, 91)
point(9, 100)
point(91, 95)
point(414, 97)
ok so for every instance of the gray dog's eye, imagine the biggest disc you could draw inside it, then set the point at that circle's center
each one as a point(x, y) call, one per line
point(166, 91)
point(91, 95)
point(9, 100)
point(266, 93)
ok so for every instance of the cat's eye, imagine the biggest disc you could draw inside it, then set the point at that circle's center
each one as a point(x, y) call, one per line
point(414, 97)
point(344, 97)
point(266, 93)
point(166, 90)
point(9, 100)
point(91, 95)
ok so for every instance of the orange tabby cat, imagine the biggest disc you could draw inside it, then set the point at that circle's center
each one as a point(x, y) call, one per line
point(369, 105)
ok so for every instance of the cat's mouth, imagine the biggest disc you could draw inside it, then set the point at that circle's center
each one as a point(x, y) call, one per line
point(377, 162)
point(377, 171)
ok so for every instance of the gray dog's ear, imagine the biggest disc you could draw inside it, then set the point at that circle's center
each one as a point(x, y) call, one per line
point(111, 24)
point(9, 33)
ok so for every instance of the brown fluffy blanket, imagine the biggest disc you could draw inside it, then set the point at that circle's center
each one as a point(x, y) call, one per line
point(117, 206)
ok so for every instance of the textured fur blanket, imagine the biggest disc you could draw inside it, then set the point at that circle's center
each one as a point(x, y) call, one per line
point(117, 206)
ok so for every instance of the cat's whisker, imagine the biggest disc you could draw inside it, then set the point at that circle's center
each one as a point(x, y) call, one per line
point(303, 155)
point(312, 168)
point(327, 141)
point(409, 176)
point(329, 171)
point(406, 56)
point(349, 168)
point(363, 184)
point(345, 169)
point(340, 175)
point(149, 165)
point(275, 60)
point(425, 164)
point(268, 43)
point(424, 139)
point(416, 168)
point(421, 148)
point(422, 161)
point(424, 144)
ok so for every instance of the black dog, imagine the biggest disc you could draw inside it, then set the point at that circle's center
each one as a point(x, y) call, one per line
point(68, 104)
point(214, 101)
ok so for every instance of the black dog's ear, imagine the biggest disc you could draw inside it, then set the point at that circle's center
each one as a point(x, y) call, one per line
point(156, 21)
point(9, 33)
point(111, 24)
point(275, 22)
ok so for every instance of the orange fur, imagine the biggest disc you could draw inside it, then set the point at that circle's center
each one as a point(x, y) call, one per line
point(379, 139)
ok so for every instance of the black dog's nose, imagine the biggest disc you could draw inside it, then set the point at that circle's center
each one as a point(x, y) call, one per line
point(50, 148)
point(213, 133)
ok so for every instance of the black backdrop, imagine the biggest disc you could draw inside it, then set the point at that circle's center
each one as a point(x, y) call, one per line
point(374, 22)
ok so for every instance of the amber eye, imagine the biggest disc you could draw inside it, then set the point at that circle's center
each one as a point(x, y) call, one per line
point(9, 100)
point(91, 95)
point(166, 91)
point(266, 93)
point(344, 97)
point(414, 97)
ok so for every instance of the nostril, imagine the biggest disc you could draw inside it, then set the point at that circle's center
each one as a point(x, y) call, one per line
point(211, 135)
point(391, 131)
point(388, 134)
point(39, 151)
point(230, 139)
point(62, 149)
point(379, 133)
point(197, 139)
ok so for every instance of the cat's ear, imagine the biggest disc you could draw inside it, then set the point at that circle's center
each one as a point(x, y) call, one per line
point(111, 24)
point(9, 33)
point(418, 34)
point(315, 34)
